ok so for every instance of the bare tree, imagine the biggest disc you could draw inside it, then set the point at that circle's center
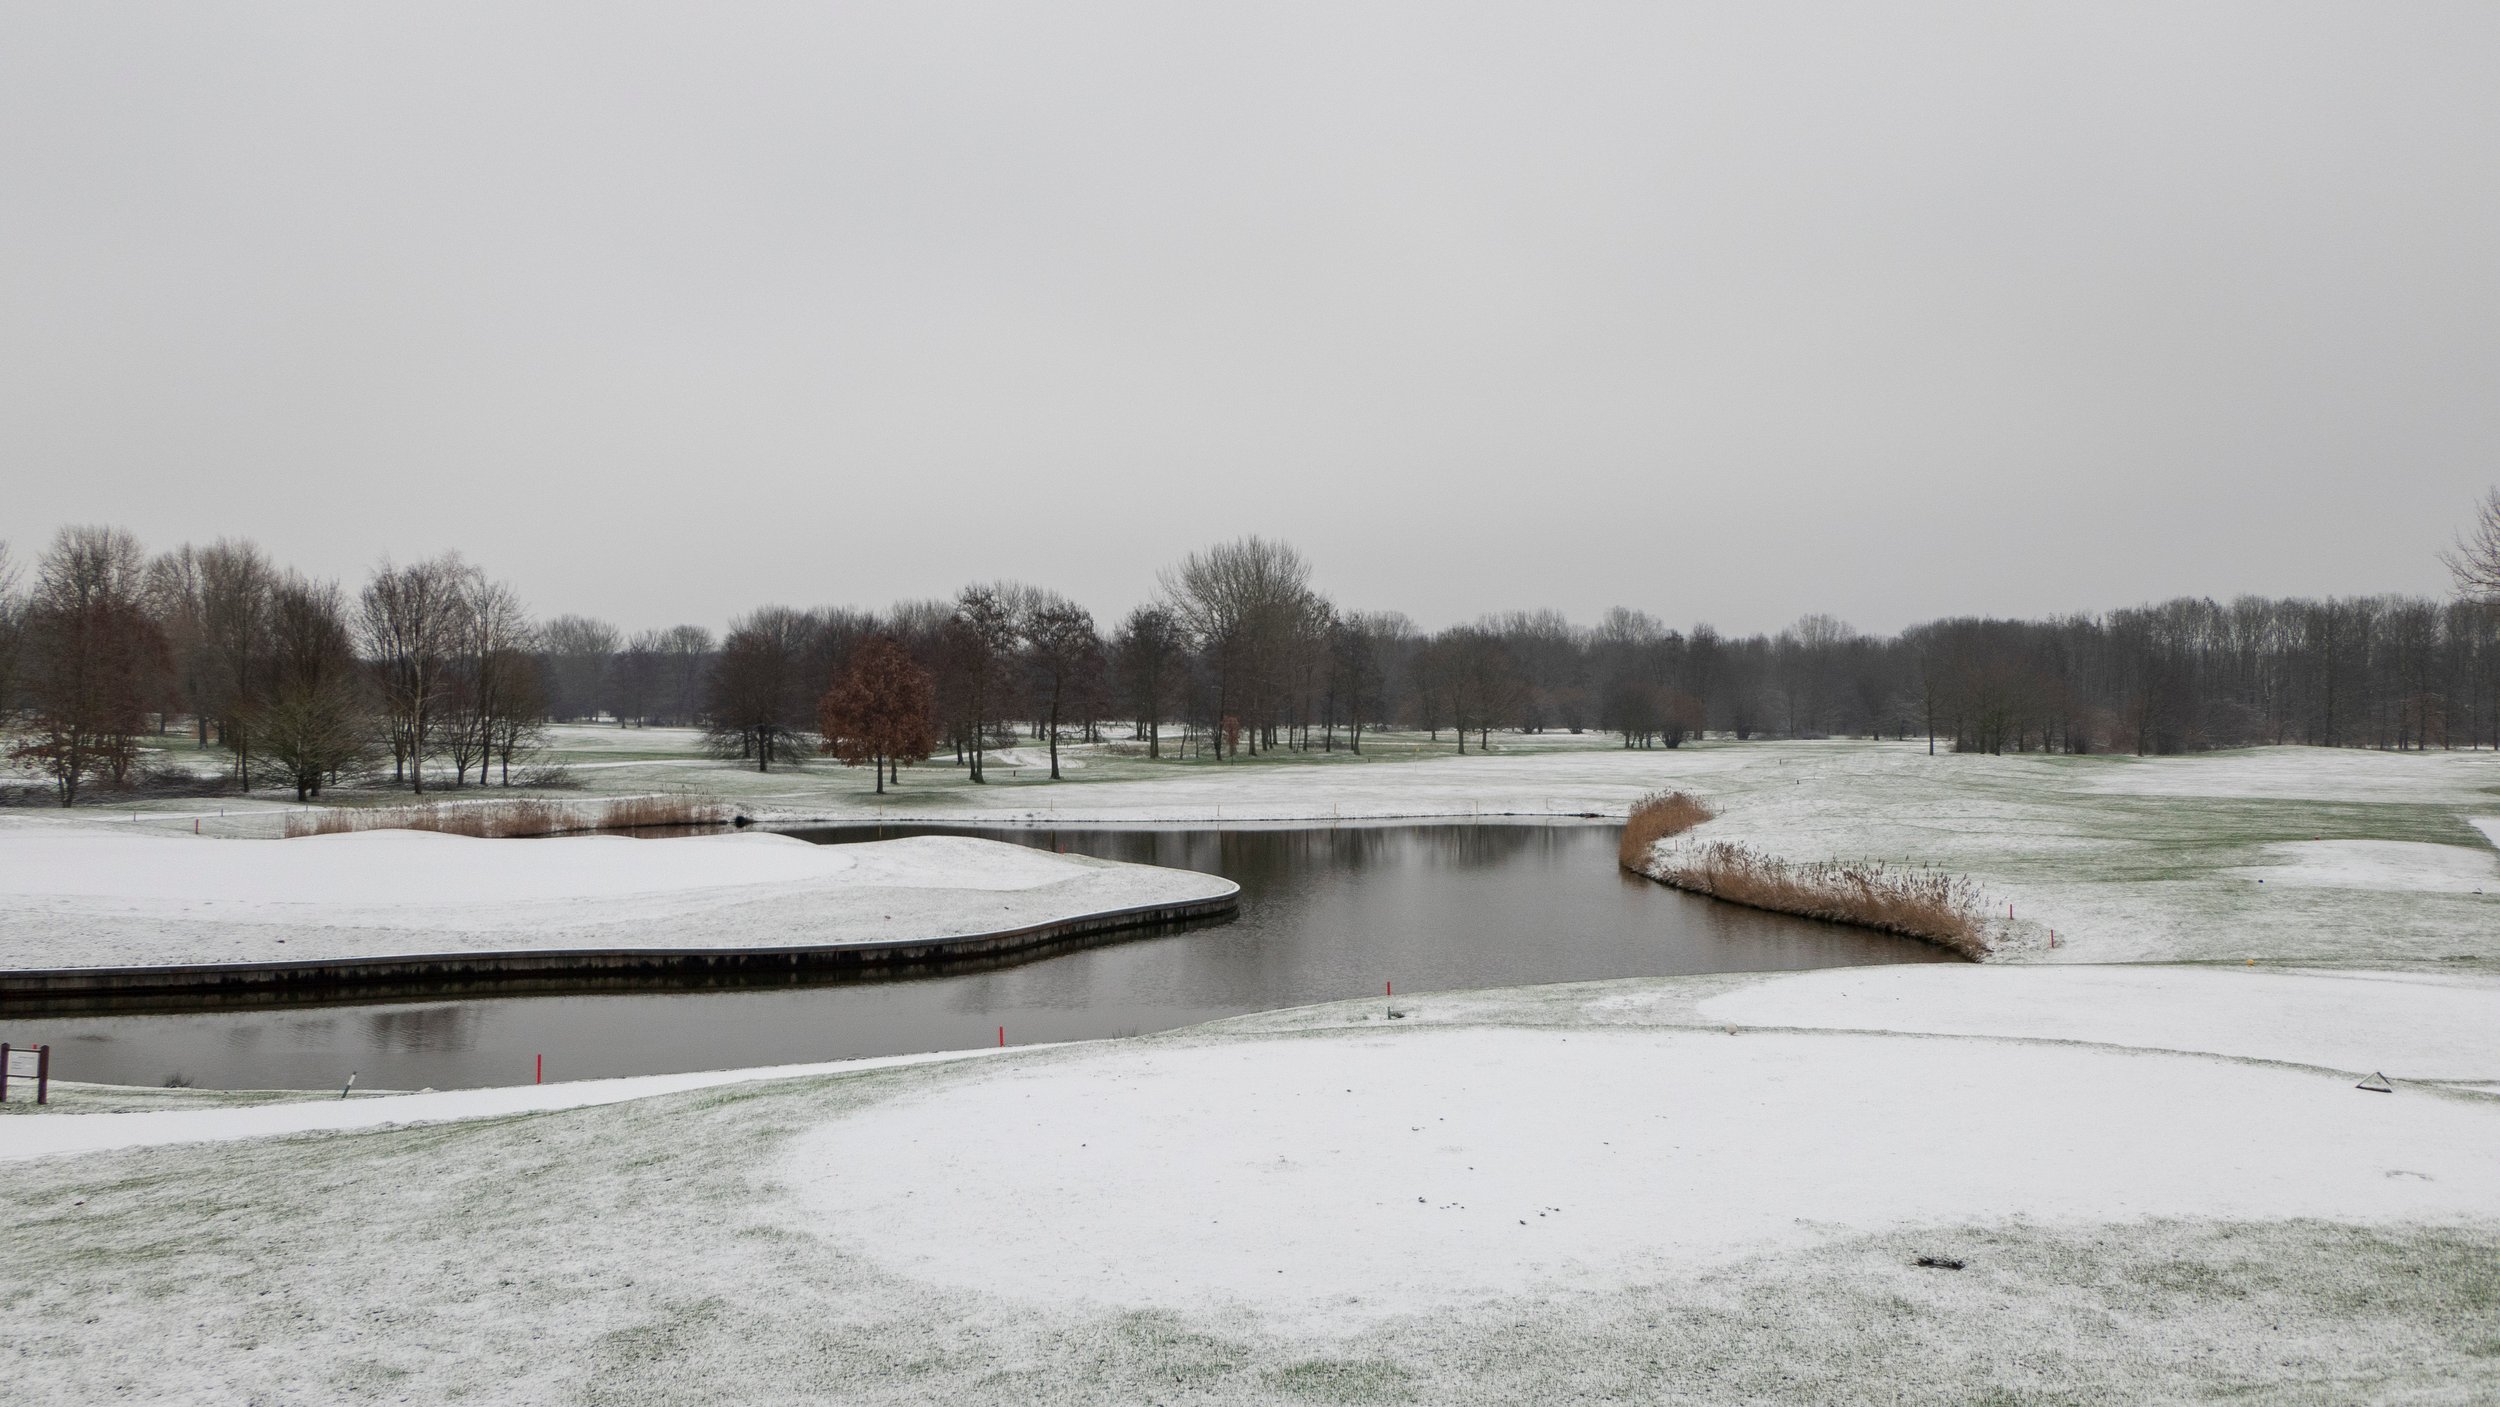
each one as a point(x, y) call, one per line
point(1151, 652)
point(759, 701)
point(634, 678)
point(520, 724)
point(96, 660)
point(1631, 654)
point(173, 602)
point(1806, 663)
point(495, 684)
point(236, 583)
point(579, 650)
point(1063, 654)
point(981, 640)
point(316, 722)
point(1481, 681)
point(683, 656)
point(1551, 656)
point(12, 638)
point(409, 621)
point(2475, 561)
point(1243, 603)
point(1361, 646)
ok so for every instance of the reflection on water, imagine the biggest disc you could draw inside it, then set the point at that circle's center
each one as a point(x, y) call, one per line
point(1326, 914)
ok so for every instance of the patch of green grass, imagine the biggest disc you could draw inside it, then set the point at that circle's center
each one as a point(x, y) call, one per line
point(1342, 1380)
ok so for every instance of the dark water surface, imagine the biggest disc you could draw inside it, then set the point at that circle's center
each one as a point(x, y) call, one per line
point(1326, 914)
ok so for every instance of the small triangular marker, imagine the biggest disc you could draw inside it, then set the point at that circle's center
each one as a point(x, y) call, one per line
point(2376, 1084)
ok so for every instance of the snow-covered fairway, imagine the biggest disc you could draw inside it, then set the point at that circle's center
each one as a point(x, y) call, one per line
point(1619, 1198)
point(2160, 1178)
point(2293, 854)
point(2412, 1026)
point(88, 898)
point(1332, 1182)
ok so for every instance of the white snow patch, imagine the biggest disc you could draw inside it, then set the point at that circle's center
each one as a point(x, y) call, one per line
point(75, 898)
point(1329, 1182)
point(389, 868)
point(46, 1137)
point(1016, 759)
point(2299, 773)
point(2411, 865)
point(2411, 1026)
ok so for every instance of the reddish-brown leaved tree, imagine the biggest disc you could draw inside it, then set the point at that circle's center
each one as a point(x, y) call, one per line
point(878, 712)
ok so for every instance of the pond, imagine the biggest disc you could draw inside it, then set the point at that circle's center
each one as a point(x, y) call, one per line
point(1327, 913)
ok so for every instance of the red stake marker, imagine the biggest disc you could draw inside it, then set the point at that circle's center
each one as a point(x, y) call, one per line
point(1002, 1035)
point(1388, 989)
point(541, 1077)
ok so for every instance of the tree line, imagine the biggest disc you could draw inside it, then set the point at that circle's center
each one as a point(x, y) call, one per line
point(433, 674)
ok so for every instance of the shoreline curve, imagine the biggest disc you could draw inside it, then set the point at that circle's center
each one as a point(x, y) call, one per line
point(591, 968)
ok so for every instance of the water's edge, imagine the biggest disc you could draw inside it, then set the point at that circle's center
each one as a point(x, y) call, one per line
point(557, 970)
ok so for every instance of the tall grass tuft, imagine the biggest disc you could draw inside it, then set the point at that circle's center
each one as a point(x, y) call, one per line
point(1655, 817)
point(1927, 904)
point(519, 817)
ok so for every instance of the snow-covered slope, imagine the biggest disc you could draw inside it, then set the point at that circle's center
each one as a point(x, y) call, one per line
point(84, 898)
point(1335, 1180)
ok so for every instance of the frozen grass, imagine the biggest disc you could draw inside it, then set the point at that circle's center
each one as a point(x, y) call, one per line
point(2399, 866)
point(77, 1097)
point(1398, 774)
point(1653, 818)
point(646, 1253)
point(2436, 1027)
point(2126, 859)
point(157, 1118)
point(2441, 1028)
point(519, 817)
point(1925, 904)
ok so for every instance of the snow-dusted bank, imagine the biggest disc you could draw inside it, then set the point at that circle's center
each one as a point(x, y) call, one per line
point(2312, 855)
point(2304, 855)
point(2019, 1181)
point(85, 899)
point(2158, 1184)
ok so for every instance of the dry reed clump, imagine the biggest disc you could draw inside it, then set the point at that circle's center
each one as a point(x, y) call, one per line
point(1928, 904)
point(520, 817)
point(1655, 817)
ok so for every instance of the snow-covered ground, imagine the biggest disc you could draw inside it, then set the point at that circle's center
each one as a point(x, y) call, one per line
point(2124, 858)
point(2412, 1026)
point(2401, 866)
point(91, 898)
point(1644, 1190)
point(270, 1114)
point(1336, 1182)
point(2301, 855)
point(2159, 1181)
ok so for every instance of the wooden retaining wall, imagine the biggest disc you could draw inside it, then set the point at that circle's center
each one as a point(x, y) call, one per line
point(590, 969)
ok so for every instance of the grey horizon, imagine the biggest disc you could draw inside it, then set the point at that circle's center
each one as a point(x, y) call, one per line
point(1726, 315)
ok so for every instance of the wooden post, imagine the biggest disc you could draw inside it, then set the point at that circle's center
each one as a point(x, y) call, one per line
point(43, 1071)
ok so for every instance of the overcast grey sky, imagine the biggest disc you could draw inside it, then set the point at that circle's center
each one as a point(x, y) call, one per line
point(1728, 312)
